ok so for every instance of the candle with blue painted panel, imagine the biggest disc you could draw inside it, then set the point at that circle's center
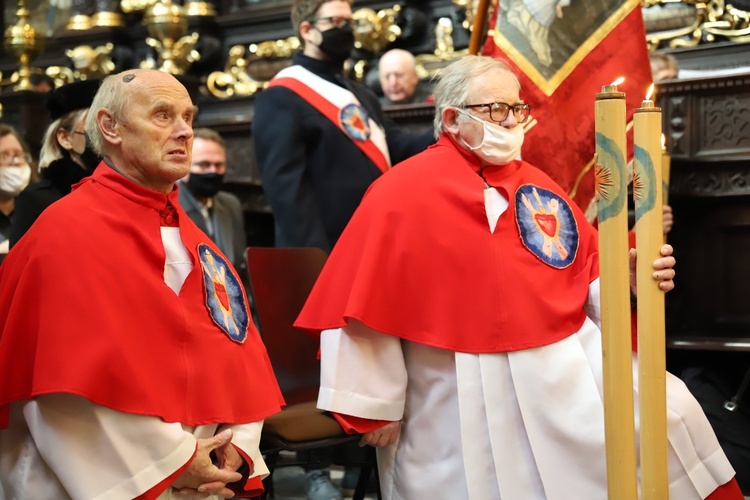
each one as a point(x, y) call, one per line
point(614, 279)
point(649, 236)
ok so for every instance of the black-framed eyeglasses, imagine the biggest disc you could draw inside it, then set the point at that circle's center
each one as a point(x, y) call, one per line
point(20, 158)
point(336, 21)
point(499, 110)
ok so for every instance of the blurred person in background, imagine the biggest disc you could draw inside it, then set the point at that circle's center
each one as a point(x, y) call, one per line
point(65, 158)
point(217, 213)
point(663, 67)
point(15, 174)
point(399, 80)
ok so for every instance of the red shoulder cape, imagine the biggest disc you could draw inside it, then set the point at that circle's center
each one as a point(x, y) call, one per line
point(84, 310)
point(419, 262)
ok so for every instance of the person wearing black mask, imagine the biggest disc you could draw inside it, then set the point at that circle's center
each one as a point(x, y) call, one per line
point(217, 213)
point(320, 138)
point(65, 158)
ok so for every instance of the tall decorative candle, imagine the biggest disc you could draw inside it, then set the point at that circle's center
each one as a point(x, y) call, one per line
point(649, 236)
point(614, 277)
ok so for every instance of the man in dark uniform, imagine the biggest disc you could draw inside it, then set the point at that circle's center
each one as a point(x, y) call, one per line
point(321, 139)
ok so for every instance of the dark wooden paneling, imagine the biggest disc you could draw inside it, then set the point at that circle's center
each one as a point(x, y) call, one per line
point(707, 123)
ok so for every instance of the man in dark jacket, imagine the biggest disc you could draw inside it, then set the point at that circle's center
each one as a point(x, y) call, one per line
point(321, 139)
point(218, 213)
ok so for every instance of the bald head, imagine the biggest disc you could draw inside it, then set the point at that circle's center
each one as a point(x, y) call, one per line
point(398, 75)
point(142, 120)
point(115, 92)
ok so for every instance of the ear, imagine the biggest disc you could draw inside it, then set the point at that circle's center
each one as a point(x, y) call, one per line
point(450, 120)
point(305, 27)
point(108, 126)
point(63, 138)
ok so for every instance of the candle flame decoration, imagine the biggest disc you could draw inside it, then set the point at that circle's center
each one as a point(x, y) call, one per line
point(650, 92)
point(663, 141)
point(618, 81)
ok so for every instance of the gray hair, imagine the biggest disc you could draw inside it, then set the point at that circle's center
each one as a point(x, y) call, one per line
point(112, 97)
point(453, 83)
point(51, 148)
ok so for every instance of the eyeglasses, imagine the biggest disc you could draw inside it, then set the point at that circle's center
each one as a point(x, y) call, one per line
point(6, 158)
point(499, 110)
point(336, 21)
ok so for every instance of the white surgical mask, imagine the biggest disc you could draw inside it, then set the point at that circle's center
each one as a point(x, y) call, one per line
point(14, 179)
point(500, 145)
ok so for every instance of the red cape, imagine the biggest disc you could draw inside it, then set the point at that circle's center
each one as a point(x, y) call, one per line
point(418, 261)
point(84, 310)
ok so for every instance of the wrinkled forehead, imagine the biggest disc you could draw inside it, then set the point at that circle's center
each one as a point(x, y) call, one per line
point(396, 65)
point(156, 89)
point(495, 85)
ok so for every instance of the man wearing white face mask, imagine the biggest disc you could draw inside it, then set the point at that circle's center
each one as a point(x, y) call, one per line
point(459, 321)
point(15, 174)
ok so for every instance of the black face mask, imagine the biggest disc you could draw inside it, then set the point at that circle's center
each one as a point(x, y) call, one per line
point(88, 157)
point(337, 44)
point(204, 185)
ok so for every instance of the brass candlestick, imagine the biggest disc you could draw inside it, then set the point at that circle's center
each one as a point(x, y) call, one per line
point(167, 24)
point(23, 41)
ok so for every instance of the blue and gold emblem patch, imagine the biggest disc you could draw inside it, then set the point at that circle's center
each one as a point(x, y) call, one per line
point(547, 225)
point(354, 120)
point(225, 297)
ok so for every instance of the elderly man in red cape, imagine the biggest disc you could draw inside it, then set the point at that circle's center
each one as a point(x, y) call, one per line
point(129, 362)
point(460, 321)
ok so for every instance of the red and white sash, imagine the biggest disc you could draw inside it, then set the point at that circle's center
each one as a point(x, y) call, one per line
point(341, 107)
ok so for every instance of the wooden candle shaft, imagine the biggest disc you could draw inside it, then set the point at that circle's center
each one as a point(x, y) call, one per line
point(615, 301)
point(649, 235)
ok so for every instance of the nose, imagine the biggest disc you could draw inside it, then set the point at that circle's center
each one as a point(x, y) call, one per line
point(183, 129)
point(510, 121)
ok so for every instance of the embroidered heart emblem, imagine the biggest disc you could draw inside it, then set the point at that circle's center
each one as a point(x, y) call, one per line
point(221, 294)
point(547, 223)
point(358, 123)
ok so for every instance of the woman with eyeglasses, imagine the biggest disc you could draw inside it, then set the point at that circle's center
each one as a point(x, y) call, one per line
point(15, 174)
point(65, 158)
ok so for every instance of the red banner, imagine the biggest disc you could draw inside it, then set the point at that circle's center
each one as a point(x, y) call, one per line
point(563, 56)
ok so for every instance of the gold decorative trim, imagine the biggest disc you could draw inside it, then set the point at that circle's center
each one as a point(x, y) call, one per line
point(108, 20)
point(91, 62)
point(715, 20)
point(429, 65)
point(79, 23)
point(129, 6)
point(200, 9)
point(373, 31)
point(236, 81)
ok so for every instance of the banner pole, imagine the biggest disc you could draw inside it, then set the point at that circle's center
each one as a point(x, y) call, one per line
point(480, 20)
